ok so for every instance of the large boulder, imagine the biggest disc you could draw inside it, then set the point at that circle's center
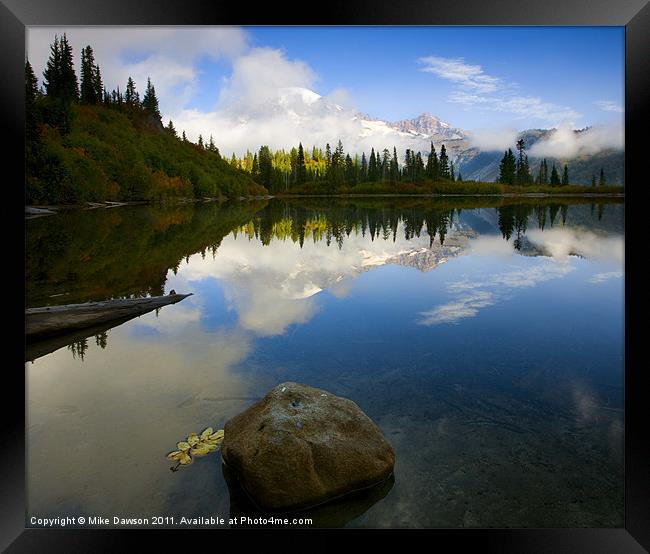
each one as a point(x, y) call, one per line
point(300, 446)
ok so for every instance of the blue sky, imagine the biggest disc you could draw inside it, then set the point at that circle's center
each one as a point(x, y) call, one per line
point(491, 81)
point(574, 67)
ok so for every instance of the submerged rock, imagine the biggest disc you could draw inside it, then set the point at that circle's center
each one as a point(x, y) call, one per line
point(300, 446)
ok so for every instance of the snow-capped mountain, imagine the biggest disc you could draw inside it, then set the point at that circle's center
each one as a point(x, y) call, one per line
point(313, 115)
point(287, 115)
point(427, 126)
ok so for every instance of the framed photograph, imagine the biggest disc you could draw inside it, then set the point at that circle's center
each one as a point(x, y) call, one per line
point(360, 270)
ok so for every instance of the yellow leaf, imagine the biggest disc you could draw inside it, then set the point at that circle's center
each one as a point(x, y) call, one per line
point(183, 446)
point(185, 459)
point(217, 436)
point(192, 439)
point(200, 450)
point(211, 446)
point(206, 433)
point(175, 455)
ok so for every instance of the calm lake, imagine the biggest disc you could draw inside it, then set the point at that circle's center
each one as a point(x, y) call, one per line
point(483, 336)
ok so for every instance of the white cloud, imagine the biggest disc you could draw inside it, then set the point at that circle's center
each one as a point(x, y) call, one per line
point(462, 308)
point(609, 106)
point(269, 100)
point(476, 89)
point(564, 142)
point(461, 73)
point(559, 247)
point(602, 277)
point(258, 75)
point(523, 107)
point(488, 140)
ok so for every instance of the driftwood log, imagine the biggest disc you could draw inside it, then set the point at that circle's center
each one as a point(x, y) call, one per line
point(50, 321)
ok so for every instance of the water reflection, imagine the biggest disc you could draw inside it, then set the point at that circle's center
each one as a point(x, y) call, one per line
point(484, 337)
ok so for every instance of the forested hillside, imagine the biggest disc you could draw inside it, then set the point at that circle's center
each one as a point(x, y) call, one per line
point(85, 144)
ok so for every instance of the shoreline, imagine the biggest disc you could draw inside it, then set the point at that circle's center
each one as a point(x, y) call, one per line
point(52, 209)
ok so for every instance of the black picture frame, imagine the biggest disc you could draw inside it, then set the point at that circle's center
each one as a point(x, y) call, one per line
point(633, 14)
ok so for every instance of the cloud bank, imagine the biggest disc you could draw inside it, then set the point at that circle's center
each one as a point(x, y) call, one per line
point(564, 142)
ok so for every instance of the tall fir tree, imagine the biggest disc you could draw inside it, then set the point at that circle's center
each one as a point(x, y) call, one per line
point(31, 113)
point(432, 164)
point(508, 168)
point(364, 167)
point(522, 172)
point(601, 181)
point(60, 84)
point(60, 79)
point(131, 96)
point(443, 170)
point(555, 178)
point(301, 171)
point(91, 81)
point(150, 101)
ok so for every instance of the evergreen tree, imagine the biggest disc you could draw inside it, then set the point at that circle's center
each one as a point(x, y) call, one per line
point(394, 166)
point(542, 177)
point(349, 169)
point(565, 176)
point(328, 156)
point(131, 97)
point(555, 178)
point(170, 128)
point(150, 102)
point(433, 169)
point(265, 161)
point(61, 86)
point(255, 170)
point(522, 174)
point(200, 143)
point(364, 167)
point(452, 175)
point(91, 81)
point(60, 78)
point(301, 172)
point(508, 168)
point(372, 166)
point(601, 181)
point(419, 167)
point(31, 114)
point(443, 163)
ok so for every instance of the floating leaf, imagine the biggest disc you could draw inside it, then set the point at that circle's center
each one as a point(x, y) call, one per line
point(206, 433)
point(217, 436)
point(196, 446)
point(200, 450)
point(185, 459)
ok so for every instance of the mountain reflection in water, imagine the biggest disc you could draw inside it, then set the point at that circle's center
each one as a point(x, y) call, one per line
point(484, 336)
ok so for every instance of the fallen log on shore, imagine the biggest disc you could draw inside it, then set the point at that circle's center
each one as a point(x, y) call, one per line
point(55, 320)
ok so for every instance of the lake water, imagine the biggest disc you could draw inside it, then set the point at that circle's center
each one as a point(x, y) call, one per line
point(483, 336)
